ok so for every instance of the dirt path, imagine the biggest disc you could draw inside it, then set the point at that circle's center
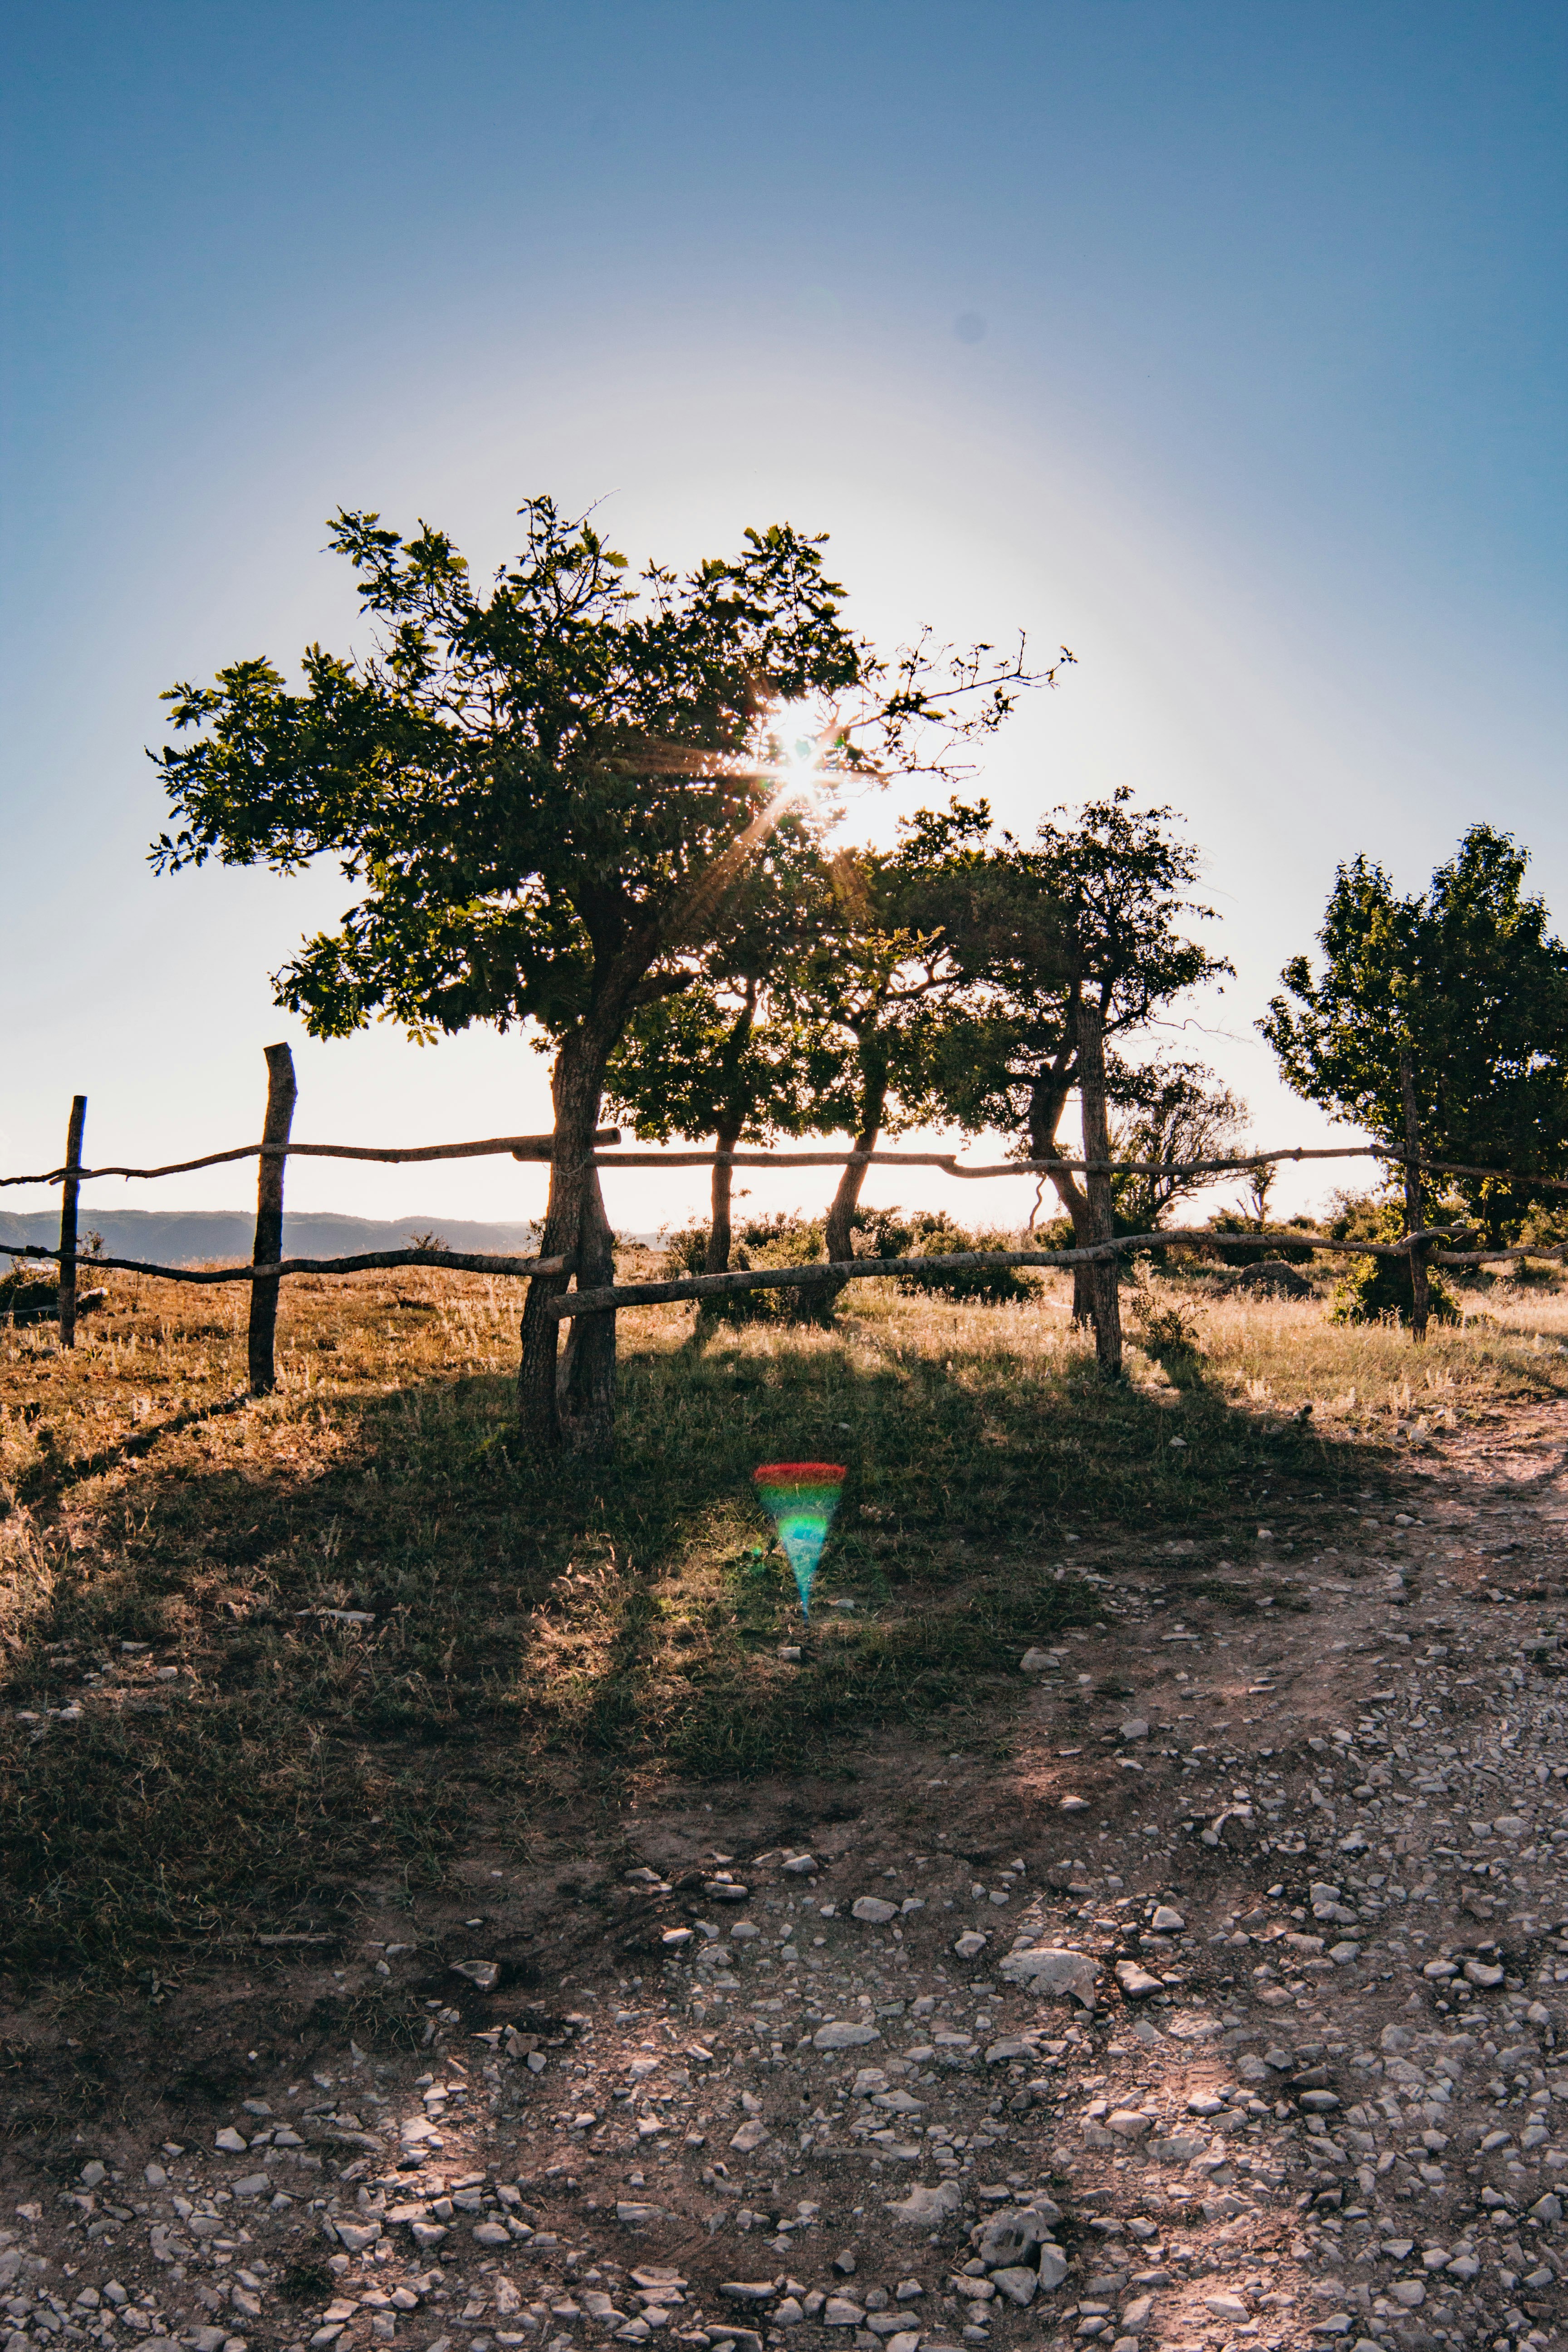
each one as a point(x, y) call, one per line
point(776, 2062)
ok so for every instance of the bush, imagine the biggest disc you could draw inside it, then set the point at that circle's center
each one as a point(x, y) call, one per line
point(777, 1240)
point(927, 1232)
point(1377, 1290)
point(782, 1240)
point(1242, 1251)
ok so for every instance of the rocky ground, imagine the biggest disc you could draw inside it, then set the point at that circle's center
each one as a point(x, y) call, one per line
point(808, 2064)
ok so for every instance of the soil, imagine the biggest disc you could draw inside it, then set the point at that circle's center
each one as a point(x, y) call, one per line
point(1327, 2107)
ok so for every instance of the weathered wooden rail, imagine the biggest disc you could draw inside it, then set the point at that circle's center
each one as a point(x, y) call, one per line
point(268, 1267)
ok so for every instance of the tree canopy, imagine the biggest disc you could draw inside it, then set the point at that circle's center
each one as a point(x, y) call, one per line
point(1465, 975)
point(543, 793)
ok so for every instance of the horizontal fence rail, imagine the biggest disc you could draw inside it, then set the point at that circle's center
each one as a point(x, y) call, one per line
point(1418, 1246)
point(520, 1147)
point(370, 1261)
point(871, 1269)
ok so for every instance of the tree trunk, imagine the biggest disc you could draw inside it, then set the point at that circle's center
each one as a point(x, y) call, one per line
point(585, 1375)
point(1420, 1293)
point(718, 1257)
point(1105, 1293)
point(840, 1235)
point(575, 1085)
point(1046, 1103)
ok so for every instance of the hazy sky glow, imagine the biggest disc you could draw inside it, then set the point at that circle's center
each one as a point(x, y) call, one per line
point(1224, 344)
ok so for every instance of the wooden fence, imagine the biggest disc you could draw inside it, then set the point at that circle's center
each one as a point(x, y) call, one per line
point(268, 1267)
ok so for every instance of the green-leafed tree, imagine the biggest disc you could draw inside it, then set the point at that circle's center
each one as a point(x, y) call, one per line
point(738, 1056)
point(544, 793)
point(1468, 977)
point(889, 977)
point(1169, 1113)
point(1093, 912)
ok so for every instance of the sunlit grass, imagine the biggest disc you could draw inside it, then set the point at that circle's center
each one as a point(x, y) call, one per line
point(539, 1625)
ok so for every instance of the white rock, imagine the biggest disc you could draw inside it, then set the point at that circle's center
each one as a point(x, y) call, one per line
point(970, 1944)
point(801, 1865)
point(483, 1973)
point(873, 1910)
point(840, 2033)
point(1075, 1804)
point(1226, 2307)
point(1166, 1921)
point(1135, 1727)
point(752, 2134)
point(1053, 2266)
point(1019, 2284)
point(1136, 1983)
point(839, 2312)
point(1035, 1662)
point(926, 2208)
point(1054, 1973)
point(1128, 2122)
point(230, 2142)
point(628, 2210)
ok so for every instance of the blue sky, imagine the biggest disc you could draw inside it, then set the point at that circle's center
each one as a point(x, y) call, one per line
point(1222, 343)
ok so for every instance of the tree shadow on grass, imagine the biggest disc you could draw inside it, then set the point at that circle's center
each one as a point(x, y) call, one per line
point(532, 1627)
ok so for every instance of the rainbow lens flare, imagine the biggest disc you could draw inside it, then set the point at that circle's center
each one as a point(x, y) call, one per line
point(801, 1497)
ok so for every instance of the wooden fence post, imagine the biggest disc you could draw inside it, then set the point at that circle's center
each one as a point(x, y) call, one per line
point(68, 1191)
point(280, 1096)
point(1415, 1218)
point(1104, 1288)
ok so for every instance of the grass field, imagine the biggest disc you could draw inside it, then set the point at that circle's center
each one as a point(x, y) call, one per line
point(224, 1755)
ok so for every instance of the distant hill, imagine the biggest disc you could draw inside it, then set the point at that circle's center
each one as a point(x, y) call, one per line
point(195, 1236)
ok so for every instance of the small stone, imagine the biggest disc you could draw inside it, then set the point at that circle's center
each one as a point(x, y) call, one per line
point(802, 1865)
point(1054, 1972)
point(1017, 2282)
point(673, 1939)
point(1127, 2122)
point(1035, 1661)
point(970, 1944)
point(1135, 1727)
point(230, 2142)
point(926, 2208)
point(491, 2233)
point(485, 1974)
point(1135, 2315)
point(841, 2033)
point(1548, 2208)
point(1136, 1983)
point(724, 1890)
point(1166, 1922)
point(1053, 2266)
point(748, 2290)
point(1409, 2292)
point(1075, 1805)
point(752, 2134)
point(873, 1910)
point(1226, 2307)
point(839, 2312)
point(845, 2263)
point(1483, 1973)
point(255, 2184)
point(426, 2235)
point(628, 2210)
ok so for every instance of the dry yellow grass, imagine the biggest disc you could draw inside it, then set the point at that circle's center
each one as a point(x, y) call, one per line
point(529, 1620)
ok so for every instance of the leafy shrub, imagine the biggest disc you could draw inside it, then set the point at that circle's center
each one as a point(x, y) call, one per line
point(927, 1232)
point(1242, 1251)
point(1377, 1290)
